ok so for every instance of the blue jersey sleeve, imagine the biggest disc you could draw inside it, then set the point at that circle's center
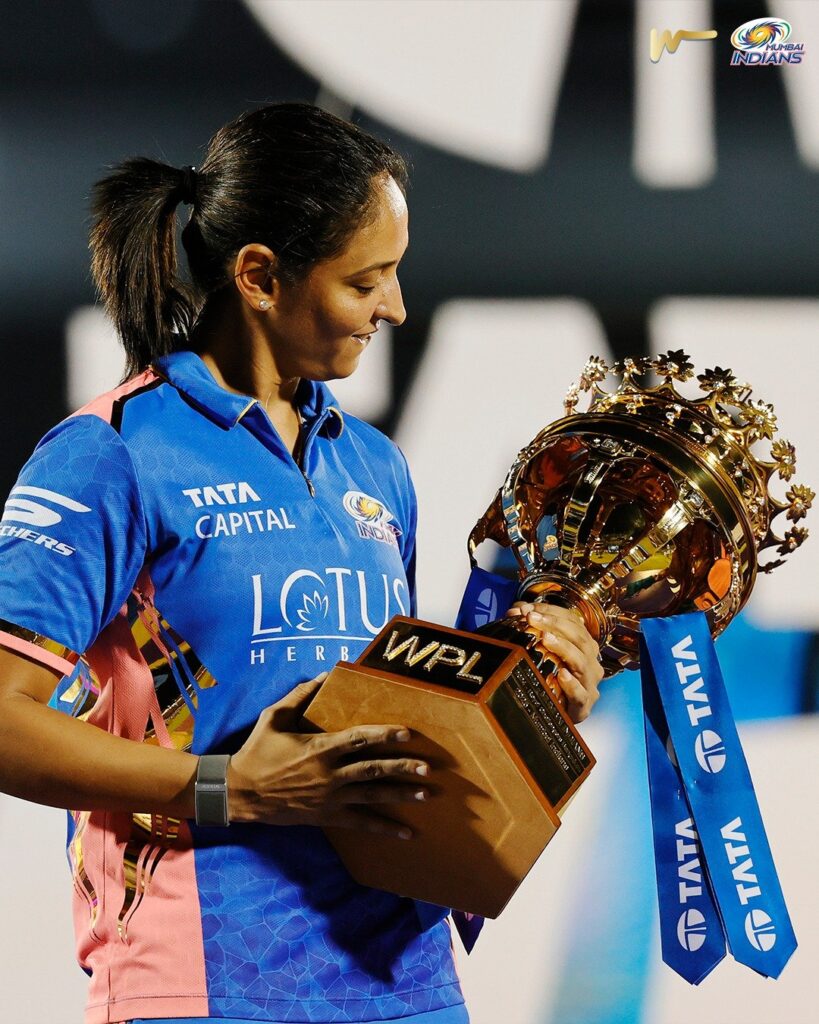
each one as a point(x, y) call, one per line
point(72, 536)
point(408, 539)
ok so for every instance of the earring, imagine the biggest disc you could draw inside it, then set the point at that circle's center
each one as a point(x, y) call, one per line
point(264, 304)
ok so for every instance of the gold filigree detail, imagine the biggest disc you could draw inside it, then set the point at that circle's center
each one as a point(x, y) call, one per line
point(674, 365)
point(759, 417)
point(794, 538)
point(595, 370)
point(720, 383)
point(726, 422)
point(784, 455)
point(800, 498)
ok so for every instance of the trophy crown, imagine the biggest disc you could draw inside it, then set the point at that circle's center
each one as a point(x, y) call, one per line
point(724, 419)
point(652, 501)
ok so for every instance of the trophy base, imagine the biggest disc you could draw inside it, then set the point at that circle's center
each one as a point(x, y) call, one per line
point(504, 761)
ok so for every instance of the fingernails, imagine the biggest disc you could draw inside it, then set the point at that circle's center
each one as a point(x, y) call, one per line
point(422, 769)
point(321, 677)
point(549, 636)
point(536, 617)
point(420, 794)
point(402, 735)
point(405, 834)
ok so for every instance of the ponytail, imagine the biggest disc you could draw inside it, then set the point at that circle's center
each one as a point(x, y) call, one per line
point(289, 175)
point(133, 258)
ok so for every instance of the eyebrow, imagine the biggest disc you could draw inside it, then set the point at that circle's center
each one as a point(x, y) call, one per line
point(375, 266)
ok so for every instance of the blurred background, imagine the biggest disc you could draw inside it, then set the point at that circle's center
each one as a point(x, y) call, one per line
point(569, 197)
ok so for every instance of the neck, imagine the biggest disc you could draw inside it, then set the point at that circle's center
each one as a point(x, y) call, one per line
point(238, 354)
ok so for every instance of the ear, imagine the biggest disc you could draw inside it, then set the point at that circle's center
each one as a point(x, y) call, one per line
point(254, 274)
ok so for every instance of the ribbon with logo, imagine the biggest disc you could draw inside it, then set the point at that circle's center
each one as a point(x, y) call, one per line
point(716, 878)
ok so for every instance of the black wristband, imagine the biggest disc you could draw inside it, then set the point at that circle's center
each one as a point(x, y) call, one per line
point(210, 790)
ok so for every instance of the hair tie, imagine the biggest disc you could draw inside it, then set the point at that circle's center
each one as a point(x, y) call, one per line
point(187, 186)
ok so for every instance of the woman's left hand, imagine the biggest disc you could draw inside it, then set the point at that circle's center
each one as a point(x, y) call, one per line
point(564, 634)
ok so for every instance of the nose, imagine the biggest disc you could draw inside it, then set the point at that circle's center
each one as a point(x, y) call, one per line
point(392, 308)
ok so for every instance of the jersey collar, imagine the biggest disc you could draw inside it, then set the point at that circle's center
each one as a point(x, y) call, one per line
point(186, 371)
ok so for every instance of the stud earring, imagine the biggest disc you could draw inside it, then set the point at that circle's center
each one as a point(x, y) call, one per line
point(264, 304)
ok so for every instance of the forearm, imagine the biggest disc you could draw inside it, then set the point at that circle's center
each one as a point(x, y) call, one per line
point(49, 758)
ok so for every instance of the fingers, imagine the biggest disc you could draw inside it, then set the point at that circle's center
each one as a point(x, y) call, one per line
point(357, 739)
point(565, 636)
point(300, 696)
point(380, 793)
point(370, 771)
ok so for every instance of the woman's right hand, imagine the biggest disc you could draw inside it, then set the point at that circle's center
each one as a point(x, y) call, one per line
point(283, 776)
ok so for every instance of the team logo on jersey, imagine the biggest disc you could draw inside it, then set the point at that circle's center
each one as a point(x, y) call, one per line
point(373, 519)
point(21, 509)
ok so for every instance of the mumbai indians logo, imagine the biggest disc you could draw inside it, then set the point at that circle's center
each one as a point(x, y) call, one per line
point(372, 518)
point(756, 34)
point(691, 930)
point(760, 930)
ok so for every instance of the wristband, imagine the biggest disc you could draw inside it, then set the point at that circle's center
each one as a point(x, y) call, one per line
point(210, 790)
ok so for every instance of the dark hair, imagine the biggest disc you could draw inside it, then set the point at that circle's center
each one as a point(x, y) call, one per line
point(288, 175)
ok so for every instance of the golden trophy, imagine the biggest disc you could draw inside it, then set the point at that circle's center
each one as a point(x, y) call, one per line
point(646, 504)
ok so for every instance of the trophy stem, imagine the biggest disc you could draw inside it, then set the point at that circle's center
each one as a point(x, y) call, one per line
point(549, 588)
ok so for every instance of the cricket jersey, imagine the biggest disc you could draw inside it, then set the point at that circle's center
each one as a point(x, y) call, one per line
point(163, 549)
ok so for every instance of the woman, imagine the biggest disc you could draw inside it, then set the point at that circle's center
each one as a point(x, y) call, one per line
point(206, 513)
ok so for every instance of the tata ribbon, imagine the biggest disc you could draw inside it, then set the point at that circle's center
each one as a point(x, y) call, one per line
point(716, 877)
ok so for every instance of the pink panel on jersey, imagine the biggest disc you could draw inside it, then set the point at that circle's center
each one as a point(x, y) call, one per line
point(30, 650)
point(104, 405)
point(136, 904)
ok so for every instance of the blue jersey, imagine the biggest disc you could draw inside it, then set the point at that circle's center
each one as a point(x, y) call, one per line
point(163, 549)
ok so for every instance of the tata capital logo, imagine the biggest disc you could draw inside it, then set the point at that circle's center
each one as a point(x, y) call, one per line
point(372, 518)
point(764, 41)
point(667, 40)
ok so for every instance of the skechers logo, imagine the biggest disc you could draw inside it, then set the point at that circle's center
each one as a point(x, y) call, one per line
point(21, 509)
point(222, 494)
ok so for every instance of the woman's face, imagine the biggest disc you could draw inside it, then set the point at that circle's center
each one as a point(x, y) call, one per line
point(321, 326)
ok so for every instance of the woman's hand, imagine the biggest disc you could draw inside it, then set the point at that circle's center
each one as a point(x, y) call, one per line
point(564, 635)
point(285, 775)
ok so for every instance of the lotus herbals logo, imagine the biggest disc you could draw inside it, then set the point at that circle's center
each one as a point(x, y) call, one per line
point(765, 41)
point(372, 519)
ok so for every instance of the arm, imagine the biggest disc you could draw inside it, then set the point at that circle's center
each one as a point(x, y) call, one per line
point(50, 758)
point(281, 776)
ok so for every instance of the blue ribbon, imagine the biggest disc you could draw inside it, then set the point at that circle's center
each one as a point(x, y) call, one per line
point(486, 598)
point(681, 672)
point(691, 934)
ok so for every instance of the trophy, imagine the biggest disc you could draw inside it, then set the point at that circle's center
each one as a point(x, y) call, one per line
point(646, 504)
